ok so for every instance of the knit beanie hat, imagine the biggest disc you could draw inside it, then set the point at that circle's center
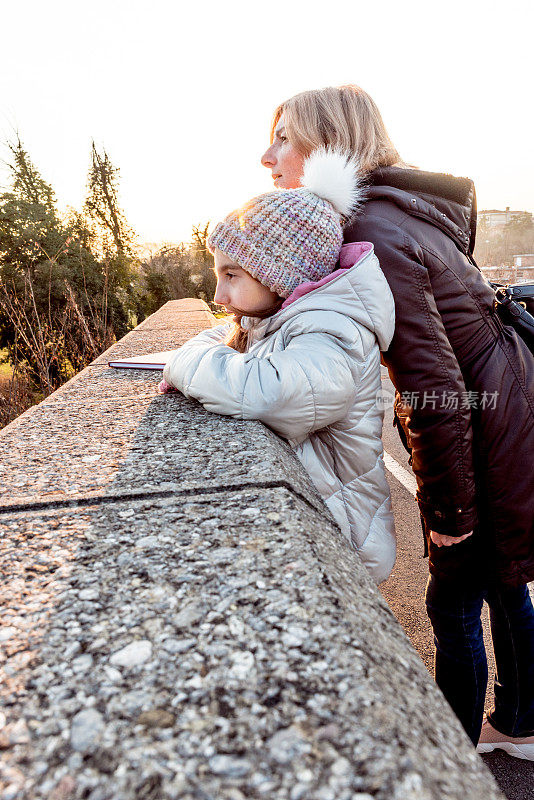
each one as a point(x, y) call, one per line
point(292, 236)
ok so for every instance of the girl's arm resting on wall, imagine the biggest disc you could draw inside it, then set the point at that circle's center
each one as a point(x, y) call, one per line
point(295, 391)
point(210, 336)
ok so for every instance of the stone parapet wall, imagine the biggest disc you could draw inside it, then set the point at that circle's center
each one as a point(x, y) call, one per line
point(181, 618)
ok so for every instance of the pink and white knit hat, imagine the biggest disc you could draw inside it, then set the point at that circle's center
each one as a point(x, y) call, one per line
point(291, 236)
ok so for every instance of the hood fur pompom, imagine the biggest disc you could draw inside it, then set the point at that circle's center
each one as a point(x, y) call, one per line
point(334, 175)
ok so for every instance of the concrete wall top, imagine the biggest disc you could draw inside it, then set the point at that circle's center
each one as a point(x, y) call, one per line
point(181, 618)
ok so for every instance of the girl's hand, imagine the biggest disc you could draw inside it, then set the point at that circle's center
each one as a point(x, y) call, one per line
point(165, 388)
point(440, 540)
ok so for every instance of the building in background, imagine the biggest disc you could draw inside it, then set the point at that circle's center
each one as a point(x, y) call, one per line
point(521, 272)
point(494, 220)
point(504, 245)
point(524, 267)
point(500, 274)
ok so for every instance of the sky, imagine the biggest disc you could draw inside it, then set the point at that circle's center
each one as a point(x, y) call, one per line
point(181, 94)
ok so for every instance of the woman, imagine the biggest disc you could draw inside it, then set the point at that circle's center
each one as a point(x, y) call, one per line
point(464, 406)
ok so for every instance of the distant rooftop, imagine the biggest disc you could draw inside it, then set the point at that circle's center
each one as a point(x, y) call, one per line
point(501, 211)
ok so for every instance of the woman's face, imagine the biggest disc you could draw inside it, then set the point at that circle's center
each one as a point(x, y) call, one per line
point(283, 159)
point(238, 291)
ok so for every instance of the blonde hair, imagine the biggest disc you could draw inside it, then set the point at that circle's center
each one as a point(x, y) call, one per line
point(342, 116)
point(237, 338)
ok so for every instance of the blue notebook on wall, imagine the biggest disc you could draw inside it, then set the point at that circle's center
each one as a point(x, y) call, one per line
point(149, 361)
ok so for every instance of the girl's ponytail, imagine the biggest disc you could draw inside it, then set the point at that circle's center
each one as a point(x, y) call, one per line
point(237, 338)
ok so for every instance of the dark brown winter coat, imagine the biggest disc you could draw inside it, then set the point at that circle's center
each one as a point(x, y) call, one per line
point(474, 463)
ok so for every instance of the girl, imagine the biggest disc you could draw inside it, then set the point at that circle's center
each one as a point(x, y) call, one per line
point(304, 354)
point(465, 406)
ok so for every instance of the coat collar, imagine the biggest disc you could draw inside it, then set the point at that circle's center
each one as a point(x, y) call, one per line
point(445, 201)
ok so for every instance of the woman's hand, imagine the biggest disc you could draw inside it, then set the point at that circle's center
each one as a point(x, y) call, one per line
point(440, 540)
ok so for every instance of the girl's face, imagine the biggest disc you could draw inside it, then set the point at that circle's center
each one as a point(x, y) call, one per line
point(238, 291)
point(283, 159)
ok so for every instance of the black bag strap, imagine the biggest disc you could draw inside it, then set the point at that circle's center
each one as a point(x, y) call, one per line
point(522, 291)
point(511, 308)
point(506, 298)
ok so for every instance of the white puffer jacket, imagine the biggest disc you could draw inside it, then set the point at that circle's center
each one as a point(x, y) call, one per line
point(312, 374)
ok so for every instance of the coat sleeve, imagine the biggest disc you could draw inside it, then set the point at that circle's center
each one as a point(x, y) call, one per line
point(295, 391)
point(213, 335)
point(424, 370)
point(210, 336)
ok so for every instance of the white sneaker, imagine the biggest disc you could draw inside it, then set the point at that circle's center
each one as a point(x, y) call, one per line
point(491, 739)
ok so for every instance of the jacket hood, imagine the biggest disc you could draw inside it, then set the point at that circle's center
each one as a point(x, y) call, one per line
point(445, 201)
point(357, 290)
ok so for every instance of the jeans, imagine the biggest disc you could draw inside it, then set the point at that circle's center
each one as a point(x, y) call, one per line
point(461, 668)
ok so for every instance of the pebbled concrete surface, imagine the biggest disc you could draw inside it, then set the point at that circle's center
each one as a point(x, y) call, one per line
point(172, 631)
point(142, 441)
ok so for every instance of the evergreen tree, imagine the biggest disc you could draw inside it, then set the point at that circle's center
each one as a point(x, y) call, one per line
point(177, 271)
point(63, 297)
point(112, 239)
point(202, 264)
